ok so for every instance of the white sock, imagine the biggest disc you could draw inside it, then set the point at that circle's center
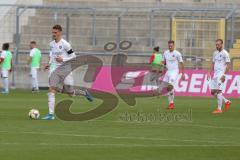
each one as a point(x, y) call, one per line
point(33, 82)
point(36, 83)
point(171, 96)
point(219, 100)
point(51, 102)
point(5, 83)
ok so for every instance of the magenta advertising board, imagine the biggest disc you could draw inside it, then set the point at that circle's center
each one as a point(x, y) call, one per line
point(136, 80)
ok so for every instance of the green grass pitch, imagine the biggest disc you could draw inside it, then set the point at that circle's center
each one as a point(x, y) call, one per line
point(204, 136)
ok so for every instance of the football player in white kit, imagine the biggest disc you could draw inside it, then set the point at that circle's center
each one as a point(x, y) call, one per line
point(172, 59)
point(61, 51)
point(220, 67)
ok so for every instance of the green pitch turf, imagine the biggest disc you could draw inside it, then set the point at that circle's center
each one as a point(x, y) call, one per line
point(132, 133)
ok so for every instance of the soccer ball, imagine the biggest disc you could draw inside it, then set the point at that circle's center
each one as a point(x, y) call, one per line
point(34, 114)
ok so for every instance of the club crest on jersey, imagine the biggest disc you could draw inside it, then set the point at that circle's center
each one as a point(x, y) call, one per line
point(60, 47)
point(173, 55)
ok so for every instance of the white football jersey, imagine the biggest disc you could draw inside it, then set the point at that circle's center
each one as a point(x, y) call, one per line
point(220, 59)
point(172, 59)
point(61, 49)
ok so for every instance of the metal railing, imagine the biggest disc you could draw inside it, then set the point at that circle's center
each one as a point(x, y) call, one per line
point(20, 18)
point(195, 61)
point(168, 12)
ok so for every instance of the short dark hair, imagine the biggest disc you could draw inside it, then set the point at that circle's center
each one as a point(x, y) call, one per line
point(57, 27)
point(171, 41)
point(33, 42)
point(219, 40)
point(5, 46)
point(156, 49)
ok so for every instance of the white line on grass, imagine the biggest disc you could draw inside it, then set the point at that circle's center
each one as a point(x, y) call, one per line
point(186, 124)
point(115, 145)
point(118, 137)
point(21, 100)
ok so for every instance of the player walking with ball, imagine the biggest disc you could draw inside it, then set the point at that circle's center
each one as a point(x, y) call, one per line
point(61, 52)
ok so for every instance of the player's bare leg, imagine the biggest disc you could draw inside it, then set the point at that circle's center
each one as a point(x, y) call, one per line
point(67, 90)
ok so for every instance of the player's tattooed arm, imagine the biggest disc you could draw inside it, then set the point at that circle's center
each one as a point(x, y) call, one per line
point(46, 67)
point(226, 71)
point(59, 59)
point(182, 69)
point(227, 68)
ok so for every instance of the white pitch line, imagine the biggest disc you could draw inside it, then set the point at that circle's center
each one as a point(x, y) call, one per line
point(115, 145)
point(118, 137)
point(210, 126)
point(20, 100)
point(186, 124)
